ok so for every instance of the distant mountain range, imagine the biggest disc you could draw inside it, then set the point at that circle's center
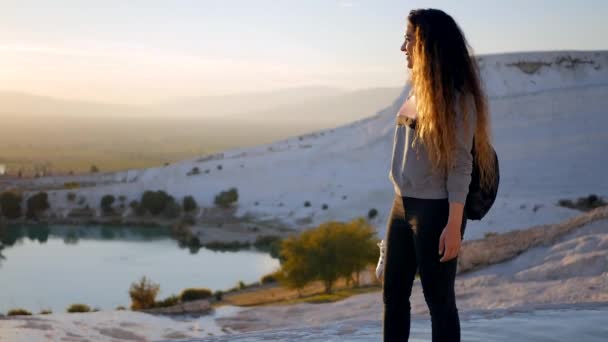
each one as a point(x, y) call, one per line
point(73, 135)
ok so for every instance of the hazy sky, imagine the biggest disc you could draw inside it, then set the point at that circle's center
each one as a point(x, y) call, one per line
point(148, 51)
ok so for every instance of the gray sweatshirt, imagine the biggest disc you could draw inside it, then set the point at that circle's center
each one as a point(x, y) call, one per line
point(412, 173)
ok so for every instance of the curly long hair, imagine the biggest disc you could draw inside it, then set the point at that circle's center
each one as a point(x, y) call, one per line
point(445, 75)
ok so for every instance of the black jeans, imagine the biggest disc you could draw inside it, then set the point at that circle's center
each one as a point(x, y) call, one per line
point(412, 243)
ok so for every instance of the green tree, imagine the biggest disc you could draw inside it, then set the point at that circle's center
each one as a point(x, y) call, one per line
point(225, 198)
point(358, 241)
point(325, 257)
point(172, 209)
point(10, 205)
point(154, 201)
point(37, 203)
point(327, 253)
point(296, 270)
point(189, 204)
point(106, 203)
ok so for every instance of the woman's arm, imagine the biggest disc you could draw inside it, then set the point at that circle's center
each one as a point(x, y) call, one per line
point(459, 175)
point(458, 180)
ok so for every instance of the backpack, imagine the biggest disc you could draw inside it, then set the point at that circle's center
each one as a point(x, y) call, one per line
point(479, 201)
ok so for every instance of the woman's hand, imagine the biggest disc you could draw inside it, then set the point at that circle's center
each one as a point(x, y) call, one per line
point(449, 242)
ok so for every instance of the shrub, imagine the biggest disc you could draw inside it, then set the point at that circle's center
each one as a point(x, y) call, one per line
point(169, 301)
point(94, 169)
point(122, 198)
point(37, 203)
point(218, 295)
point(18, 312)
point(189, 204)
point(590, 202)
point(46, 312)
point(226, 198)
point(195, 171)
point(219, 167)
point(120, 308)
point(143, 293)
point(307, 204)
point(71, 196)
point(78, 308)
point(324, 206)
point(10, 205)
point(372, 213)
point(191, 294)
point(271, 277)
point(71, 185)
point(106, 203)
point(583, 203)
point(241, 285)
point(154, 201)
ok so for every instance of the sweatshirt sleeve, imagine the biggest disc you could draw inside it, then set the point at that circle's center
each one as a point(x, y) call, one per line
point(459, 175)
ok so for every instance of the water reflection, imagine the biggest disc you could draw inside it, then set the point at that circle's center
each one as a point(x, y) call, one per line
point(11, 235)
point(97, 264)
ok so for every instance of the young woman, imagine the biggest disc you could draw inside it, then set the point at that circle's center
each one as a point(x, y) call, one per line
point(431, 171)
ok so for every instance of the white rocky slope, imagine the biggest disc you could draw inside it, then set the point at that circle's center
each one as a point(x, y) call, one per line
point(549, 123)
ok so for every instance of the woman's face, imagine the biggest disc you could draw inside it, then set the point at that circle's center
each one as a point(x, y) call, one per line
point(408, 45)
